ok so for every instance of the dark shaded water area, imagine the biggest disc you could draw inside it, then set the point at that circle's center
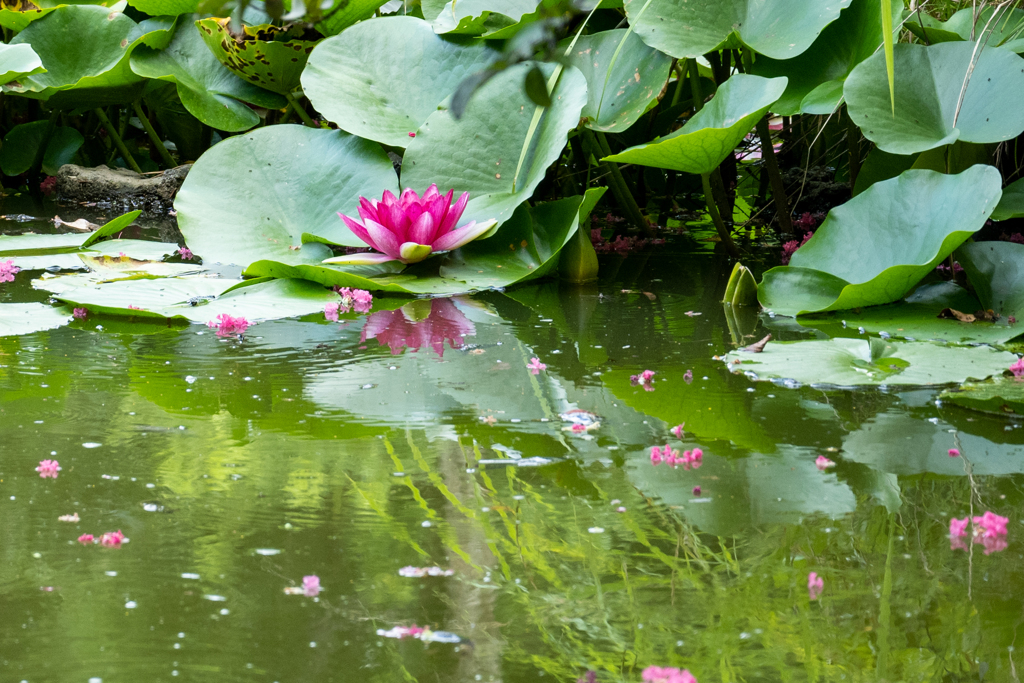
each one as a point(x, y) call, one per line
point(420, 437)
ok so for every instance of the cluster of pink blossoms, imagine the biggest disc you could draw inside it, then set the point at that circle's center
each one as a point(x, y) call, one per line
point(111, 539)
point(790, 247)
point(989, 531)
point(8, 271)
point(48, 469)
point(229, 326)
point(689, 460)
point(667, 674)
point(1018, 368)
point(644, 379)
point(358, 299)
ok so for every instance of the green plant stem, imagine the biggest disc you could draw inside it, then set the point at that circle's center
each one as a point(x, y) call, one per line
point(681, 68)
point(698, 99)
point(51, 125)
point(716, 217)
point(153, 137)
point(771, 167)
point(853, 143)
point(300, 110)
point(118, 142)
point(618, 186)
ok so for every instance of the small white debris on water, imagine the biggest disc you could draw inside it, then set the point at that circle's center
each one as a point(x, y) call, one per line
point(90, 444)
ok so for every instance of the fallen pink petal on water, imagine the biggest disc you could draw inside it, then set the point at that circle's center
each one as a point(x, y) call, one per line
point(578, 428)
point(80, 313)
point(696, 490)
point(954, 452)
point(331, 311)
point(688, 376)
point(644, 379)
point(86, 539)
point(535, 366)
point(958, 527)
point(229, 326)
point(677, 431)
point(112, 539)
point(990, 524)
point(656, 458)
point(69, 518)
point(1018, 368)
point(8, 270)
point(311, 586)
point(692, 459)
point(823, 463)
point(815, 585)
point(48, 469)
point(186, 254)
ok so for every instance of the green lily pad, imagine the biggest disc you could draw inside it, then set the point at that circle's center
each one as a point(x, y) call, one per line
point(714, 131)
point(524, 248)
point(252, 196)
point(624, 76)
point(170, 298)
point(206, 87)
point(1003, 31)
point(165, 8)
point(345, 13)
point(917, 318)
point(28, 318)
point(477, 16)
point(349, 83)
point(101, 62)
point(260, 56)
point(880, 165)
point(928, 84)
point(480, 152)
point(996, 271)
point(780, 29)
point(877, 246)
point(855, 362)
point(17, 61)
point(1011, 204)
point(1004, 396)
point(816, 76)
point(11, 245)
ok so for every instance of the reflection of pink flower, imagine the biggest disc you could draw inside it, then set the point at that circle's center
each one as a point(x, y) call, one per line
point(991, 524)
point(398, 330)
point(535, 366)
point(656, 458)
point(359, 299)
point(666, 674)
point(8, 271)
point(311, 586)
point(80, 313)
point(688, 376)
point(229, 326)
point(1018, 368)
point(331, 311)
point(113, 539)
point(823, 463)
point(86, 539)
point(815, 585)
point(48, 468)
point(410, 228)
point(958, 527)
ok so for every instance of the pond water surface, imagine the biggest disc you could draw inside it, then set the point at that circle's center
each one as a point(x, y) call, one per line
point(420, 437)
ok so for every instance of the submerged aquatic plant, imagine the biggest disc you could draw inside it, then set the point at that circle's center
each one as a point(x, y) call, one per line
point(411, 227)
point(8, 270)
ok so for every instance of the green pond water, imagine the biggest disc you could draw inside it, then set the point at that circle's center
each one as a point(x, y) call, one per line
point(236, 468)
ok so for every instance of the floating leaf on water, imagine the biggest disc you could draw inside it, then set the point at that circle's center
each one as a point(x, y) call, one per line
point(854, 362)
point(28, 318)
point(1002, 396)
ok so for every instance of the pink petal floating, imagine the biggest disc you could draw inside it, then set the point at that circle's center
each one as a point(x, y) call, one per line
point(86, 539)
point(815, 585)
point(1018, 368)
point(112, 539)
point(80, 313)
point(8, 270)
point(823, 463)
point(535, 366)
point(954, 452)
point(229, 326)
point(311, 586)
point(186, 254)
point(48, 469)
point(677, 431)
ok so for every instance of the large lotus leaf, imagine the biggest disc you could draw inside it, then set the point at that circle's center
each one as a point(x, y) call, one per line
point(524, 248)
point(823, 68)
point(1004, 396)
point(206, 87)
point(1002, 31)
point(17, 61)
point(21, 144)
point(480, 152)
point(71, 62)
point(780, 29)
point(252, 196)
point(714, 131)
point(345, 13)
point(996, 271)
point(877, 246)
point(880, 165)
point(477, 16)
point(349, 82)
point(260, 55)
point(1011, 204)
point(28, 318)
point(31, 242)
point(18, 19)
point(917, 318)
point(165, 8)
point(174, 298)
point(854, 362)
point(928, 85)
point(623, 75)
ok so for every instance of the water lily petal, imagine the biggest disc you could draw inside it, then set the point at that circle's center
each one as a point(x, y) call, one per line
point(453, 215)
point(464, 235)
point(368, 209)
point(385, 239)
point(443, 205)
point(422, 229)
point(358, 230)
point(368, 258)
point(387, 199)
point(395, 219)
point(408, 197)
point(413, 252)
point(431, 193)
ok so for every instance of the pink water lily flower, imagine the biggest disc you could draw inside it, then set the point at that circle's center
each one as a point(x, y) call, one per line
point(8, 271)
point(48, 469)
point(410, 228)
point(815, 585)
